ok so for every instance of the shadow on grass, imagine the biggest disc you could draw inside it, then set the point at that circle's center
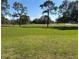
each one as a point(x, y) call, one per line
point(54, 27)
point(50, 27)
point(66, 28)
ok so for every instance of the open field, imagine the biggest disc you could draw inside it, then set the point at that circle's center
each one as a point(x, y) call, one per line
point(36, 42)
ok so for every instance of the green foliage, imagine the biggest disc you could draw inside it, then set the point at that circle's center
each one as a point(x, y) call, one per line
point(69, 9)
point(49, 7)
point(42, 20)
point(20, 10)
point(24, 19)
point(4, 7)
point(4, 20)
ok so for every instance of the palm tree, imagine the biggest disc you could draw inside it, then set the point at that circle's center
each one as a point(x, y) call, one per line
point(49, 7)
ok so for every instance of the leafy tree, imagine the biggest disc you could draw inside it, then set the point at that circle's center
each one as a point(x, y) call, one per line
point(42, 20)
point(20, 10)
point(64, 7)
point(36, 21)
point(74, 11)
point(69, 10)
point(25, 19)
point(4, 7)
point(4, 20)
point(64, 20)
point(49, 7)
point(4, 11)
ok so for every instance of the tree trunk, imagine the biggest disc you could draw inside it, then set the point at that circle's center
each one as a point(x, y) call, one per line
point(48, 19)
point(20, 22)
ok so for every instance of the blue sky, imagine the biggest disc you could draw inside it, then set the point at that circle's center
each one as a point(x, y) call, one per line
point(33, 7)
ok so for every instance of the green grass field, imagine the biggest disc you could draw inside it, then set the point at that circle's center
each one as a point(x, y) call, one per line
point(39, 43)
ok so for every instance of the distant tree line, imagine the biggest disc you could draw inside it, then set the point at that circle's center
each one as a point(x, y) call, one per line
point(26, 20)
point(23, 20)
point(42, 20)
point(67, 11)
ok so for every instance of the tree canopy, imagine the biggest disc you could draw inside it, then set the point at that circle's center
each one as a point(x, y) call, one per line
point(69, 10)
point(4, 7)
point(20, 10)
point(49, 7)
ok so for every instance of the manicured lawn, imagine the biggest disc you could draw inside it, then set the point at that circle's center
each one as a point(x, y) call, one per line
point(39, 43)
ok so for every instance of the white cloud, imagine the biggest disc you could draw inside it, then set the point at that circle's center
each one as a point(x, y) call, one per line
point(53, 17)
point(11, 18)
point(33, 17)
point(8, 17)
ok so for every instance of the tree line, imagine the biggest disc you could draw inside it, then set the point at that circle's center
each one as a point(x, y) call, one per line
point(67, 11)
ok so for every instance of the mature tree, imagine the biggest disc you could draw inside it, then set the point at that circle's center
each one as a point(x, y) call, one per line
point(4, 7)
point(74, 10)
point(36, 21)
point(13, 22)
point(65, 20)
point(20, 10)
point(24, 19)
point(4, 20)
point(49, 7)
point(64, 7)
point(42, 20)
point(69, 10)
point(4, 11)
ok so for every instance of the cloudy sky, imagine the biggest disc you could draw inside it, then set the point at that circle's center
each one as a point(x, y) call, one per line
point(33, 6)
